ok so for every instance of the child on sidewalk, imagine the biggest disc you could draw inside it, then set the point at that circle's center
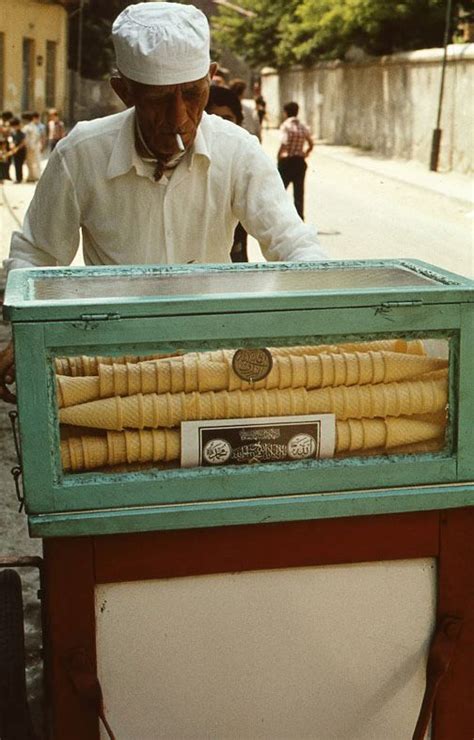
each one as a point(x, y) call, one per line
point(19, 149)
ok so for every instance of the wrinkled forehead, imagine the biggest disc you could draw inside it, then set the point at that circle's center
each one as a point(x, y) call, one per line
point(158, 90)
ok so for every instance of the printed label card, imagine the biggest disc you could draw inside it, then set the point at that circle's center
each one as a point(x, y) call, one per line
point(250, 441)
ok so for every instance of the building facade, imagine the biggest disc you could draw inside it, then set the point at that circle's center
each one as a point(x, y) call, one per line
point(33, 55)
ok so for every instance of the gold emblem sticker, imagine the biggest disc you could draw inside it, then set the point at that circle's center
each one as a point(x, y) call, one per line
point(252, 364)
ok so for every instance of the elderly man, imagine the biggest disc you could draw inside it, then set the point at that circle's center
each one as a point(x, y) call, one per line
point(161, 182)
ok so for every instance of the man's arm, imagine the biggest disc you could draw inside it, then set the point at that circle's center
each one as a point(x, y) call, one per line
point(7, 373)
point(266, 212)
point(310, 143)
point(50, 233)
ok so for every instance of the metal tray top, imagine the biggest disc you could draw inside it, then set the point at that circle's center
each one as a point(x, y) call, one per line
point(254, 281)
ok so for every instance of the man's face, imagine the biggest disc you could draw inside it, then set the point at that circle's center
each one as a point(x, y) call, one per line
point(165, 110)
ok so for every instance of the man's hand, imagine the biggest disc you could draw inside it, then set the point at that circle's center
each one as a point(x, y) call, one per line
point(7, 373)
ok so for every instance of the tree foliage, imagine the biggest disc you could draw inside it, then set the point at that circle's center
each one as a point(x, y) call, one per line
point(255, 39)
point(285, 32)
point(97, 54)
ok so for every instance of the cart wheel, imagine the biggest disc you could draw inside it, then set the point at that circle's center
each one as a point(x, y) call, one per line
point(15, 720)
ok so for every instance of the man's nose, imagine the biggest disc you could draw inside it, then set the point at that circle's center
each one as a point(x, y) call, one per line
point(177, 113)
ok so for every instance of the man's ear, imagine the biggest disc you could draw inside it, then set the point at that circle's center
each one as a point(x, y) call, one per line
point(120, 88)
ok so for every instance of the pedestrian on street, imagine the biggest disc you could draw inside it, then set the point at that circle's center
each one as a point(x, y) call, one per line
point(55, 129)
point(5, 147)
point(251, 122)
point(225, 103)
point(162, 181)
point(296, 144)
point(41, 130)
point(18, 153)
point(33, 147)
point(260, 103)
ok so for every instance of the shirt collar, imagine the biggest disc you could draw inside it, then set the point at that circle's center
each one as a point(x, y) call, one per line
point(124, 155)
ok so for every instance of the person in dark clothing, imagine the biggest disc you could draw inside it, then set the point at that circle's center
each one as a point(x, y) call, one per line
point(296, 144)
point(19, 148)
point(226, 104)
point(5, 145)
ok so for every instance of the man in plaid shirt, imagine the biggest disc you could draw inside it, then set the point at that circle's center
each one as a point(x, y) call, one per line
point(296, 144)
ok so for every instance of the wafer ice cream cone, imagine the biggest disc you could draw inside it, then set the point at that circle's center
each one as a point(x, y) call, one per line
point(170, 409)
point(194, 372)
point(88, 365)
point(75, 390)
point(89, 452)
point(163, 445)
point(363, 434)
point(414, 346)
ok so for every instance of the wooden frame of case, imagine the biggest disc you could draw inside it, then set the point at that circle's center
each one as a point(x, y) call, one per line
point(93, 503)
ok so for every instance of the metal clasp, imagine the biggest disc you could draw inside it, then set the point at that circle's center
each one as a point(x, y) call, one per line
point(14, 421)
point(16, 472)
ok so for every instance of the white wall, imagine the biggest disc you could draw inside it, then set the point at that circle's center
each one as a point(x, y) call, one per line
point(387, 104)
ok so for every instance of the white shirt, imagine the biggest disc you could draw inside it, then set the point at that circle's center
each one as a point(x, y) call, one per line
point(32, 135)
point(96, 181)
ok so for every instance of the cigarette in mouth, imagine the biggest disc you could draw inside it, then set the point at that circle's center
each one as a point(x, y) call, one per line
point(179, 141)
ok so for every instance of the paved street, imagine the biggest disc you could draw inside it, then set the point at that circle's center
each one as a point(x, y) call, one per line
point(368, 207)
point(364, 206)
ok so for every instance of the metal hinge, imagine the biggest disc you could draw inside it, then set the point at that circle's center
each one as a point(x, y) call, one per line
point(396, 304)
point(90, 320)
point(99, 316)
point(386, 307)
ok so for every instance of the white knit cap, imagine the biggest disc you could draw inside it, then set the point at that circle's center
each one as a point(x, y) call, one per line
point(162, 43)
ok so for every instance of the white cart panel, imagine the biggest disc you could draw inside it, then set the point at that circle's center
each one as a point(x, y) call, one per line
point(330, 653)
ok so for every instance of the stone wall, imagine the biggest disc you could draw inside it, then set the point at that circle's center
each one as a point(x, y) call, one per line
point(387, 104)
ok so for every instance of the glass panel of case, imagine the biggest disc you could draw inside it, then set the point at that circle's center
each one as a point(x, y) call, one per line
point(247, 281)
point(246, 405)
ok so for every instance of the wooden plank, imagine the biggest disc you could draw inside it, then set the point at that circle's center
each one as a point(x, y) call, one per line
point(99, 491)
point(241, 548)
point(466, 396)
point(296, 324)
point(454, 708)
point(69, 626)
point(273, 509)
point(36, 433)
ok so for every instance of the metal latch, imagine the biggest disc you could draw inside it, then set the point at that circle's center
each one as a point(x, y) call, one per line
point(99, 316)
point(90, 320)
point(387, 306)
point(16, 471)
point(396, 304)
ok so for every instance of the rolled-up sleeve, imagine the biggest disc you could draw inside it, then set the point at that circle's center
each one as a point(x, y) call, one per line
point(261, 203)
point(50, 232)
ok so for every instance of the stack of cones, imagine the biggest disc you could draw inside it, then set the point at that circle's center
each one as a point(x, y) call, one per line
point(88, 452)
point(194, 373)
point(383, 395)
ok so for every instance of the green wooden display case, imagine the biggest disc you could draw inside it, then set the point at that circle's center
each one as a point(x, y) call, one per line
point(61, 312)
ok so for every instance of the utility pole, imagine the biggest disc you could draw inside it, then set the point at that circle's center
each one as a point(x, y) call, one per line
point(436, 140)
point(79, 52)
